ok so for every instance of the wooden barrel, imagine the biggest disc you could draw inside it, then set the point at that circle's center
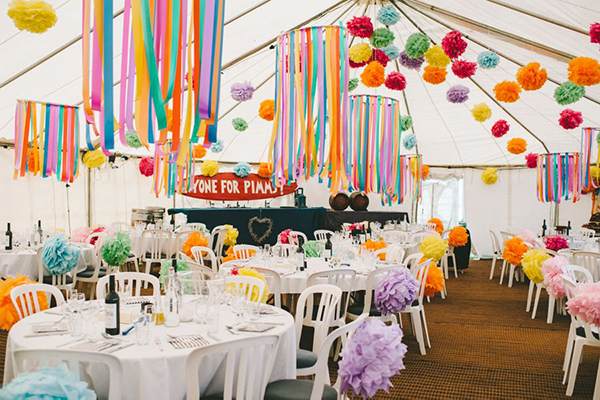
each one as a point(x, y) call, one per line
point(359, 201)
point(339, 201)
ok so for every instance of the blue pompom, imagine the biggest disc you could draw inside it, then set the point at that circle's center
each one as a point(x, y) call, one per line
point(391, 51)
point(388, 15)
point(488, 59)
point(59, 256)
point(217, 147)
point(410, 141)
point(242, 169)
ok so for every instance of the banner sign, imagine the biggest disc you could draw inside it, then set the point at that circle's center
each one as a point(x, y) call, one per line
point(227, 186)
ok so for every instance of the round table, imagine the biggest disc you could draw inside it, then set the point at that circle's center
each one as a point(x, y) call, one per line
point(148, 372)
point(139, 244)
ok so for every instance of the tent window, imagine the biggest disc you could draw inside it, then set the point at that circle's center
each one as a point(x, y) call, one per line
point(443, 199)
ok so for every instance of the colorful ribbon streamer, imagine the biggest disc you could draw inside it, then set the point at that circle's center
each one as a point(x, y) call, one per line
point(169, 177)
point(588, 136)
point(559, 176)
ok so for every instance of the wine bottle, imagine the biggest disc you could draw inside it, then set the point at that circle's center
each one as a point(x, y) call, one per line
point(40, 233)
point(362, 237)
point(544, 228)
point(568, 227)
point(369, 232)
point(328, 249)
point(112, 321)
point(8, 236)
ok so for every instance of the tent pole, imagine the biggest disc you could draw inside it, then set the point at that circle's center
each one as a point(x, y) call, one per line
point(89, 197)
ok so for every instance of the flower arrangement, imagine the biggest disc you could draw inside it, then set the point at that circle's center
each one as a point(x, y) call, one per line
point(361, 27)
point(457, 94)
point(217, 146)
point(163, 274)
point(410, 63)
point(392, 51)
point(146, 166)
point(247, 271)
point(552, 269)
point(242, 91)
point(59, 256)
point(199, 151)
point(35, 16)
point(209, 168)
point(556, 243)
point(489, 176)
point(584, 71)
point(132, 140)
point(395, 81)
point(516, 146)
point(453, 44)
point(47, 383)
point(239, 124)
point(396, 292)
point(360, 53)
point(488, 59)
point(514, 248)
point(352, 84)
point(267, 110)
point(416, 45)
point(433, 247)
point(373, 75)
point(500, 128)
point(570, 119)
point(284, 236)
point(116, 250)
point(80, 234)
point(94, 159)
point(409, 141)
point(481, 112)
point(388, 15)
point(439, 225)
point(265, 171)
point(435, 56)
point(458, 236)
point(531, 160)
point(8, 313)
point(531, 76)
point(568, 93)
point(507, 91)
point(242, 169)
point(195, 239)
point(585, 303)
point(532, 264)
point(434, 75)
point(464, 69)
point(382, 37)
point(231, 236)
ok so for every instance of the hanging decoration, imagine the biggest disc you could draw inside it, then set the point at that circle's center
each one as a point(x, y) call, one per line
point(35, 16)
point(361, 27)
point(209, 168)
point(464, 69)
point(507, 91)
point(531, 77)
point(239, 124)
point(406, 122)
point(94, 159)
point(373, 75)
point(516, 146)
point(199, 151)
point(570, 119)
point(409, 141)
point(352, 84)
point(395, 81)
point(559, 176)
point(500, 128)
point(453, 44)
point(392, 51)
point(146, 166)
point(457, 94)
point(217, 147)
point(242, 91)
point(436, 57)
point(382, 37)
point(360, 53)
point(531, 160)
point(489, 176)
point(481, 112)
point(388, 15)
point(416, 45)
point(587, 137)
point(242, 169)
point(267, 110)
point(434, 75)
point(46, 140)
point(169, 176)
point(264, 170)
point(381, 57)
point(488, 59)
point(568, 93)
point(411, 63)
point(584, 71)
point(595, 32)
point(132, 140)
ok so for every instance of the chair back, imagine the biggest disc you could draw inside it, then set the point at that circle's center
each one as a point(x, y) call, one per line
point(294, 235)
point(136, 280)
point(184, 257)
point(395, 254)
point(340, 277)
point(247, 285)
point(242, 379)
point(274, 281)
point(585, 232)
point(61, 281)
point(373, 280)
point(201, 271)
point(496, 247)
point(395, 236)
point(75, 361)
point(578, 274)
point(321, 317)
point(570, 283)
point(203, 254)
point(244, 251)
point(217, 241)
point(120, 227)
point(194, 226)
point(589, 260)
point(180, 238)
point(551, 253)
point(283, 250)
point(25, 298)
point(506, 236)
point(156, 244)
point(416, 238)
point(412, 259)
point(420, 272)
point(321, 235)
point(97, 238)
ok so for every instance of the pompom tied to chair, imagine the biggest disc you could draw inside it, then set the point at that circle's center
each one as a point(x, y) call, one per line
point(488, 59)
point(267, 110)
point(195, 239)
point(373, 75)
point(568, 93)
point(552, 269)
point(584, 71)
point(373, 355)
point(242, 169)
point(132, 140)
point(439, 225)
point(406, 122)
point(595, 33)
point(231, 235)
point(8, 313)
point(79, 235)
point(409, 141)
point(531, 76)
point(570, 119)
point(392, 51)
point(435, 56)
point(514, 248)
point(489, 176)
point(435, 280)
point(395, 81)
point(458, 236)
point(507, 91)
point(556, 243)
point(395, 292)
point(585, 303)
point(115, 250)
point(416, 45)
point(94, 159)
point(453, 44)
point(48, 383)
point(360, 27)
point(464, 69)
point(434, 75)
point(532, 264)
point(516, 146)
point(382, 37)
point(531, 160)
point(500, 128)
point(411, 63)
point(239, 124)
point(59, 256)
point(481, 112)
point(352, 84)
point(457, 94)
point(388, 15)
point(264, 170)
point(209, 168)
point(360, 53)
point(217, 146)
point(433, 247)
point(381, 57)
point(35, 16)
point(242, 91)
point(147, 166)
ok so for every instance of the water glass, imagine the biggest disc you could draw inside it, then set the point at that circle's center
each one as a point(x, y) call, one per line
point(143, 328)
point(212, 318)
point(253, 310)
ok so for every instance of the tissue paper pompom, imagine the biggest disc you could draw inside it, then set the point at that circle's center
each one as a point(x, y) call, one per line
point(528, 237)
point(416, 45)
point(199, 151)
point(457, 94)
point(395, 81)
point(352, 84)
point(453, 44)
point(424, 171)
point(406, 122)
point(264, 170)
point(80, 234)
point(357, 65)
point(231, 236)
point(531, 77)
point(242, 169)
point(433, 247)
point(193, 240)
point(435, 280)
point(48, 383)
point(132, 140)
point(94, 159)
point(585, 303)
point(434, 75)
point(464, 69)
point(516, 146)
point(531, 160)
point(396, 291)
point(284, 236)
point(388, 15)
point(217, 146)
point(435, 56)
point(8, 312)
point(458, 236)
point(570, 119)
point(411, 63)
point(584, 71)
point(382, 37)
point(239, 124)
point(267, 110)
point(59, 256)
point(115, 250)
point(373, 355)
point(481, 112)
point(209, 168)
point(489, 176)
point(439, 225)
point(247, 271)
point(514, 249)
point(381, 57)
point(595, 32)
point(500, 128)
point(556, 243)
point(507, 91)
point(147, 166)
point(163, 273)
point(242, 91)
point(373, 75)
point(410, 141)
point(360, 53)
point(488, 59)
point(360, 27)
point(35, 16)
point(392, 51)
point(532, 264)
point(568, 93)
point(552, 269)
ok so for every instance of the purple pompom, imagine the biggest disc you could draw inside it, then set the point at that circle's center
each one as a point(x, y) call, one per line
point(457, 94)
point(396, 292)
point(242, 91)
point(411, 63)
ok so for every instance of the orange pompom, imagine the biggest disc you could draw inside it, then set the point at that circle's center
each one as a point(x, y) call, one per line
point(507, 91)
point(8, 312)
point(435, 280)
point(265, 170)
point(439, 225)
point(267, 110)
point(531, 77)
point(458, 236)
point(434, 75)
point(425, 171)
point(229, 255)
point(195, 239)
point(584, 71)
point(516, 146)
point(373, 75)
point(374, 245)
point(514, 249)
point(199, 151)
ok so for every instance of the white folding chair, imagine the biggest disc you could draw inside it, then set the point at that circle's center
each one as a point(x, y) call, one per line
point(217, 241)
point(244, 251)
point(156, 247)
point(538, 292)
point(417, 312)
point(120, 227)
point(342, 278)
point(283, 250)
point(445, 261)
point(506, 236)
point(368, 308)
point(274, 281)
point(395, 254)
point(395, 236)
point(412, 259)
point(136, 280)
point(91, 276)
point(416, 238)
point(61, 281)
point(322, 234)
point(180, 238)
point(25, 298)
point(585, 232)
point(202, 254)
point(194, 226)
point(294, 235)
point(200, 271)
point(247, 285)
point(589, 260)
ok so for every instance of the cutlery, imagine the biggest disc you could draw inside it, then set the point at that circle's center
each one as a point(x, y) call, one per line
point(121, 347)
point(34, 335)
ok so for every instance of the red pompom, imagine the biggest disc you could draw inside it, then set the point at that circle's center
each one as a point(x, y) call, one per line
point(147, 166)
point(595, 33)
point(360, 26)
point(357, 65)
point(395, 81)
point(500, 128)
point(531, 160)
point(453, 44)
point(570, 119)
point(464, 69)
point(381, 57)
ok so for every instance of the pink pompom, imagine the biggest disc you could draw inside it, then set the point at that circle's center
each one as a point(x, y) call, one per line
point(585, 302)
point(395, 81)
point(552, 268)
point(381, 57)
point(147, 166)
point(556, 243)
point(500, 128)
point(570, 119)
point(528, 236)
point(453, 44)
point(357, 65)
point(360, 27)
point(80, 234)
point(595, 33)
point(531, 160)
point(464, 69)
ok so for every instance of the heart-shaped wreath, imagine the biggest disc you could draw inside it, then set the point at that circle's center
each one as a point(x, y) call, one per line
point(255, 220)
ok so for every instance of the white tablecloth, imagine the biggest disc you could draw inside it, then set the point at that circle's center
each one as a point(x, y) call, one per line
point(139, 244)
point(149, 373)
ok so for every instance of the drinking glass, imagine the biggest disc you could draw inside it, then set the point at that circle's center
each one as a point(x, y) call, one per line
point(143, 327)
point(212, 317)
point(124, 292)
point(253, 310)
point(239, 302)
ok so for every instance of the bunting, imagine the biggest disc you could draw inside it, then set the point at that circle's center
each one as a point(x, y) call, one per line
point(559, 176)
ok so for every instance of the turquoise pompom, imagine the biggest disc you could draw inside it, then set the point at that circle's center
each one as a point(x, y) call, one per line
point(488, 59)
point(392, 51)
point(388, 15)
point(410, 141)
point(217, 146)
point(59, 256)
point(242, 169)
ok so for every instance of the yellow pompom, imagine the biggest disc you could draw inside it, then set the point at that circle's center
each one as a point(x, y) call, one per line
point(489, 176)
point(94, 159)
point(231, 236)
point(436, 57)
point(360, 53)
point(433, 247)
point(532, 264)
point(209, 168)
point(35, 16)
point(481, 112)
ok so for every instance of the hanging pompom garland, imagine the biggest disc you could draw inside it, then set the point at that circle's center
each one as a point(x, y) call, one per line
point(516, 146)
point(453, 44)
point(217, 147)
point(409, 141)
point(267, 110)
point(570, 119)
point(373, 75)
point(361, 27)
point(464, 69)
point(434, 75)
point(94, 159)
point(242, 91)
point(360, 53)
point(388, 15)
point(595, 32)
point(239, 124)
point(457, 94)
point(568, 93)
point(416, 45)
point(559, 176)
point(587, 136)
point(132, 140)
point(584, 71)
point(531, 160)
point(507, 91)
point(500, 128)
point(146, 166)
point(411, 63)
point(489, 176)
point(488, 59)
point(481, 112)
point(435, 56)
point(395, 81)
point(392, 51)
point(382, 37)
point(35, 16)
point(531, 76)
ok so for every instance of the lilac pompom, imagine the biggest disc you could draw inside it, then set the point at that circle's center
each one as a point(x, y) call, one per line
point(411, 63)
point(371, 357)
point(242, 91)
point(396, 292)
point(457, 94)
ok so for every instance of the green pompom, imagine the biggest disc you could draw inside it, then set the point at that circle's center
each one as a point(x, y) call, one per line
point(406, 122)
point(352, 84)
point(164, 271)
point(239, 124)
point(382, 37)
point(115, 250)
point(598, 137)
point(568, 93)
point(416, 45)
point(132, 140)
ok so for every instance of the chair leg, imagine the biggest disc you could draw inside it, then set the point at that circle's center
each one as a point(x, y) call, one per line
point(538, 292)
point(511, 275)
point(568, 352)
point(454, 265)
point(551, 304)
point(529, 296)
point(574, 366)
point(493, 267)
point(425, 327)
point(597, 385)
point(502, 271)
point(418, 330)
